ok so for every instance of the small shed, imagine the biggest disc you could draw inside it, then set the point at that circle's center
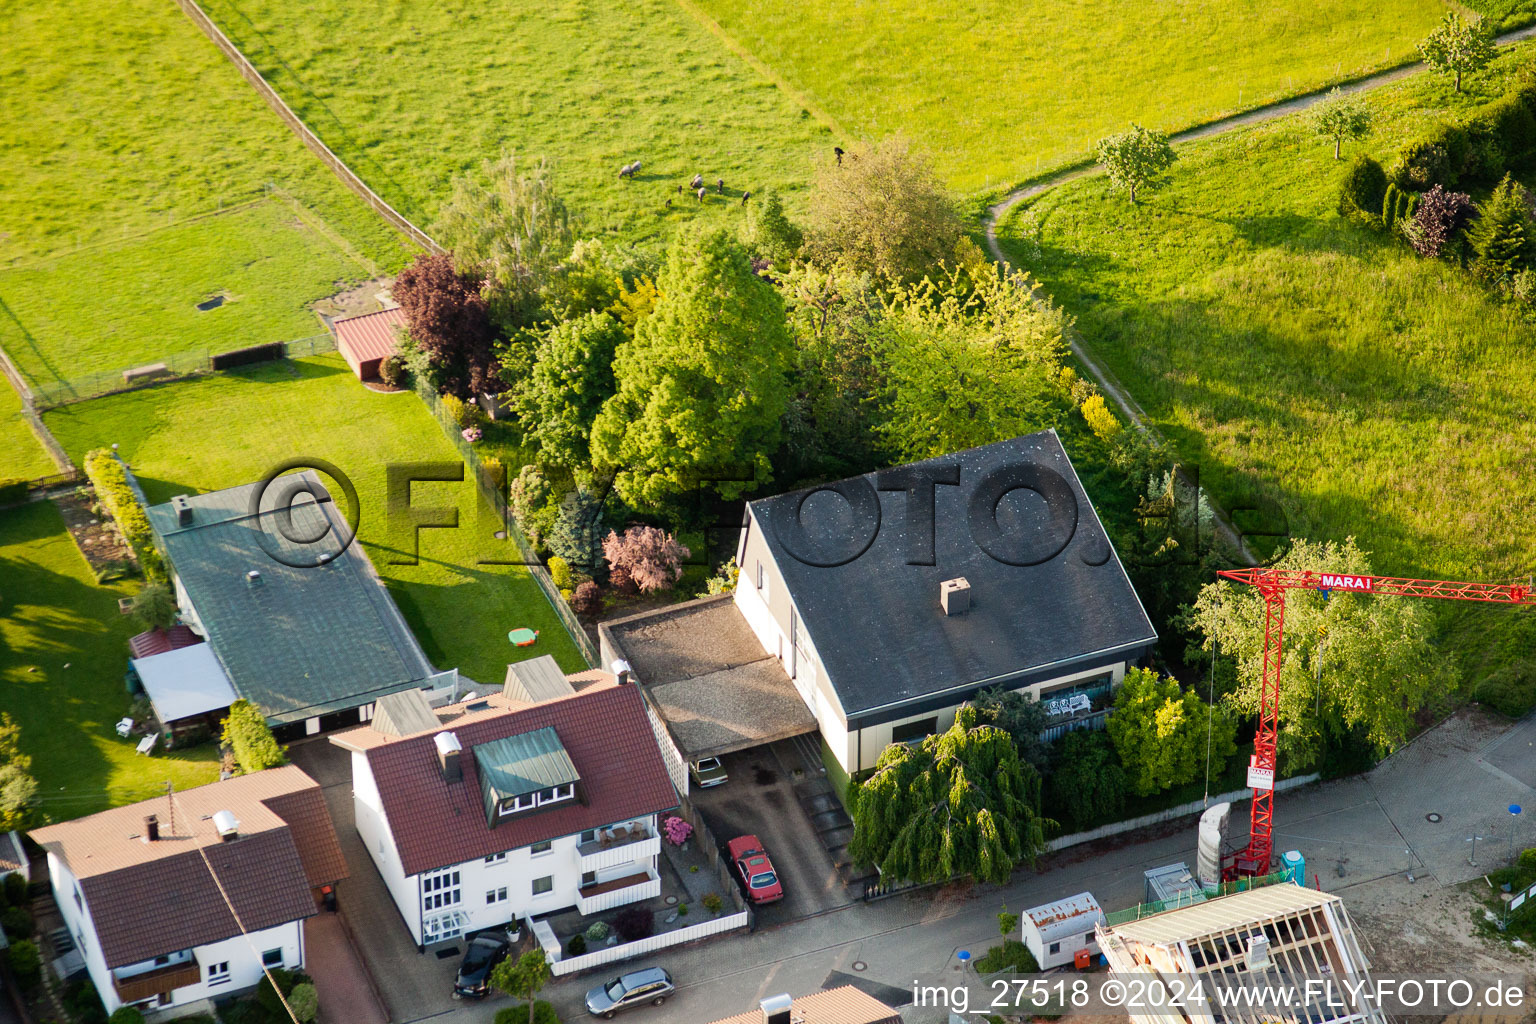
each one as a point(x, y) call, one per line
point(366, 341)
point(187, 687)
point(1056, 932)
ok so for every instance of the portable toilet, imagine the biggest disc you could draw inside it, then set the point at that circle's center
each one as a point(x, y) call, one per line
point(1295, 867)
point(1056, 932)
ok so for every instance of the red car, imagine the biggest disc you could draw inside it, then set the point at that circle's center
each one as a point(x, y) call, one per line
point(755, 869)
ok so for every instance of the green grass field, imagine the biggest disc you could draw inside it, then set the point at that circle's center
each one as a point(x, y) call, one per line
point(21, 454)
point(412, 93)
point(1291, 355)
point(124, 123)
point(1000, 91)
point(53, 614)
point(125, 304)
point(187, 438)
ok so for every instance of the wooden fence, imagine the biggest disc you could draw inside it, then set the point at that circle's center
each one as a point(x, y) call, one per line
point(310, 139)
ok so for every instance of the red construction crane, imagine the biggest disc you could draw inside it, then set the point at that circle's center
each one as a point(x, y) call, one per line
point(1272, 585)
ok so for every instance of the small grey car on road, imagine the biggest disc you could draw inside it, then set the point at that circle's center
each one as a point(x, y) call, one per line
point(649, 985)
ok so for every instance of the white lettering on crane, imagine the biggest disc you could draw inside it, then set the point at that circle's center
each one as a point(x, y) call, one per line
point(1332, 582)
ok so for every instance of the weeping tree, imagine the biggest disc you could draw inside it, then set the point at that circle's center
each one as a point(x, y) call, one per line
point(961, 804)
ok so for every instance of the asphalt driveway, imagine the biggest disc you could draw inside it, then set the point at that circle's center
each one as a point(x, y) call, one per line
point(760, 798)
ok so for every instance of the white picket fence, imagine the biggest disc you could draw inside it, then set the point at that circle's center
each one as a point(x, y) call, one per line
point(610, 954)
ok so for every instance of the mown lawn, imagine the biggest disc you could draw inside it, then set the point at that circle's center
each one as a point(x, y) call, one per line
point(411, 93)
point(63, 652)
point(123, 122)
point(1296, 358)
point(118, 305)
point(21, 454)
point(999, 91)
point(229, 429)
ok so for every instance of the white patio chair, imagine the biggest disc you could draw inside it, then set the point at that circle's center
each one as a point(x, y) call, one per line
point(125, 727)
point(148, 743)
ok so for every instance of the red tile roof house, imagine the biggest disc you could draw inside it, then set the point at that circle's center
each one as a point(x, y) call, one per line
point(517, 805)
point(366, 341)
point(142, 888)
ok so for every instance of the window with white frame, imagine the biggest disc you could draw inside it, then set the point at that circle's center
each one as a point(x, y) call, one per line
point(272, 958)
point(218, 973)
point(543, 886)
point(589, 836)
point(497, 858)
point(498, 895)
point(440, 890)
point(544, 847)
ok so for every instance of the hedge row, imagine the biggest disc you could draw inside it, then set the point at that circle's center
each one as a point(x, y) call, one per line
point(246, 356)
point(1494, 138)
point(110, 478)
point(247, 736)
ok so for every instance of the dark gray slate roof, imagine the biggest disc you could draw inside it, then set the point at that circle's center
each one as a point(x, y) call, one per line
point(1055, 595)
point(307, 639)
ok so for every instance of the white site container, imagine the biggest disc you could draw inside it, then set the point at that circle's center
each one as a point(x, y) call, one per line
point(1056, 931)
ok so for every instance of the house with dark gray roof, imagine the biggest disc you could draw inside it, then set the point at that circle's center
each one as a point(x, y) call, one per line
point(870, 609)
point(186, 898)
point(298, 622)
point(515, 805)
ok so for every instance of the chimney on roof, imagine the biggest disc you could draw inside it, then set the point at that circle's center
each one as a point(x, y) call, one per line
point(253, 578)
point(183, 506)
point(955, 596)
point(776, 1009)
point(622, 672)
point(449, 755)
point(151, 828)
point(228, 828)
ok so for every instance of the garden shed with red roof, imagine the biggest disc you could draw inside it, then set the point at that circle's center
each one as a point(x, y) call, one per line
point(366, 341)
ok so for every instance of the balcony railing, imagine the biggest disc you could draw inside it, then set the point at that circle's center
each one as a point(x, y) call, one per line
point(161, 979)
point(638, 844)
point(616, 892)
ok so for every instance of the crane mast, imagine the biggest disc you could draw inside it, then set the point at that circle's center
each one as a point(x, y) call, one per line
point(1272, 585)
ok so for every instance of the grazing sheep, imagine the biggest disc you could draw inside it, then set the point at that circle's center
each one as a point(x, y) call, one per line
point(697, 182)
point(702, 193)
point(744, 197)
point(838, 151)
point(669, 204)
point(629, 170)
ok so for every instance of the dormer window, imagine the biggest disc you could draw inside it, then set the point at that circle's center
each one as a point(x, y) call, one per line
point(540, 798)
point(525, 772)
point(511, 805)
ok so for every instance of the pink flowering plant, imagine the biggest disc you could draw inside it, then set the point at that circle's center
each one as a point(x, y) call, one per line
point(471, 434)
point(677, 830)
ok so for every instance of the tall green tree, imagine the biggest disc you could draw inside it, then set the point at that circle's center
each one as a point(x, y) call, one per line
point(1503, 238)
point(18, 789)
point(771, 234)
point(1021, 717)
point(1086, 785)
point(509, 225)
point(1350, 660)
point(247, 735)
point(1341, 117)
point(1458, 46)
point(1163, 732)
point(967, 361)
point(572, 377)
point(881, 211)
point(960, 804)
point(1136, 159)
point(154, 606)
point(702, 386)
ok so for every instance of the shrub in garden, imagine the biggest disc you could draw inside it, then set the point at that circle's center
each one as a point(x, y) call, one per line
point(17, 922)
point(1397, 207)
point(392, 371)
point(543, 1013)
point(1100, 420)
point(15, 890)
point(577, 529)
point(577, 946)
point(1423, 165)
point(1502, 236)
point(84, 1004)
point(724, 581)
point(26, 965)
point(621, 581)
point(1086, 784)
point(1527, 861)
point(652, 557)
point(559, 572)
point(1011, 954)
point(304, 1001)
point(1439, 219)
point(1523, 286)
point(1361, 193)
point(598, 931)
point(528, 497)
point(587, 599)
point(676, 830)
point(266, 994)
point(634, 924)
point(128, 1015)
point(246, 733)
point(110, 478)
point(713, 902)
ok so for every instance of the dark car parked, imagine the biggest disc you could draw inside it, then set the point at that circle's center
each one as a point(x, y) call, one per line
point(486, 950)
point(649, 985)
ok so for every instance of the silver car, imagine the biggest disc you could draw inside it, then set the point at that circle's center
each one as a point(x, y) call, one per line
point(650, 985)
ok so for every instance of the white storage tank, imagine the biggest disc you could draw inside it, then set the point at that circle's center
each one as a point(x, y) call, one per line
point(1056, 932)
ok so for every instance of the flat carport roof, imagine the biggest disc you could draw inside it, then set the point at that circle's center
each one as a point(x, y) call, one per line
point(703, 670)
